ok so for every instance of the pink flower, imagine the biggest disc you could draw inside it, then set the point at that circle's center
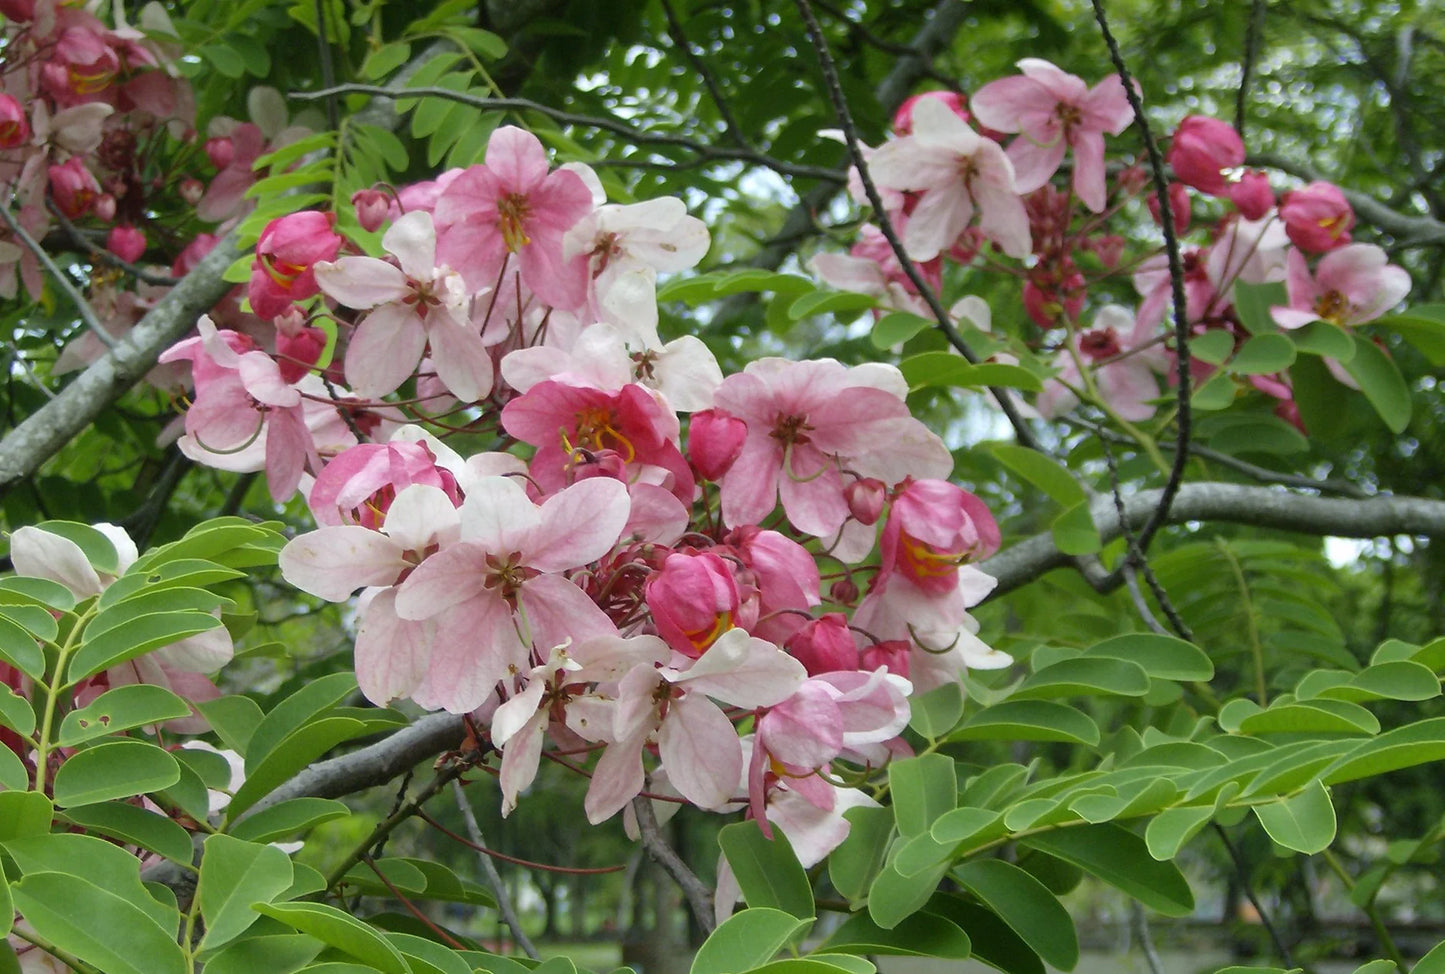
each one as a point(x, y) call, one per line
point(413, 306)
point(957, 171)
point(694, 599)
point(1352, 285)
point(807, 421)
point(286, 254)
point(1202, 148)
point(903, 118)
point(1318, 217)
point(14, 126)
point(824, 645)
point(1120, 351)
point(126, 242)
point(74, 188)
point(511, 205)
point(934, 527)
point(1054, 111)
point(359, 485)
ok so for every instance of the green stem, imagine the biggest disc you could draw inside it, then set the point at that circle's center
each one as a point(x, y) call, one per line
point(1091, 387)
point(52, 699)
point(70, 960)
point(1252, 628)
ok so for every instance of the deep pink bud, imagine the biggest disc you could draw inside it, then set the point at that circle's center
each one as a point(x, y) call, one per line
point(1252, 195)
point(1179, 207)
point(903, 118)
point(18, 11)
point(825, 645)
point(220, 151)
point(286, 252)
point(298, 345)
point(73, 188)
point(865, 499)
point(714, 440)
point(1202, 149)
point(14, 127)
point(126, 242)
point(892, 654)
point(1318, 217)
point(844, 591)
point(693, 600)
point(192, 190)
point(932, 528)
point(372, 207)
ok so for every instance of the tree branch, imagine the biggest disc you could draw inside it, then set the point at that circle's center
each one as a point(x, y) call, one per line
point(699, 897)
point(494, 879)
point(1409, 230)
point(1265, 507)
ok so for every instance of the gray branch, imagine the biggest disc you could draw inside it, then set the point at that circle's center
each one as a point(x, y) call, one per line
point(1265, 507)
point(1410, 231)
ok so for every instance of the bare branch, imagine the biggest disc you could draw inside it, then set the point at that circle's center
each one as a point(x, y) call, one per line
point(1409, 230)
point(62, 280)
point(494, 879)
point(699, 897)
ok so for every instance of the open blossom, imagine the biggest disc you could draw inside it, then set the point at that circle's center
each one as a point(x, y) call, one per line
point(286, 254)
point(359, 485)
point(412, 305)
point(511, 208)
point(1054, 111)
point(933, 527)
point(1350, 286)
point(956, 171)
point(1124, 358)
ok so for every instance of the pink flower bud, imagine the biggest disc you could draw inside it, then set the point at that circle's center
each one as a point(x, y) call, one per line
point(1109, 247)
point(1252, 195)
point(14, 127)
point(1317, 218)
point(844, 591)
point(693, 600)
point(865, 499)
point(932, 528)
point(191, 190)
point(74, 188)
point(825, 645)
point(286, 253)
point(714, 440)
point(1202, 149)
point(220, 151)
point(297, 351)
point(126, 242)
point(104, 207)
point(903, 118)
point(372, 208)
point(892, 654)
point(18, 11)
point(1179, 207)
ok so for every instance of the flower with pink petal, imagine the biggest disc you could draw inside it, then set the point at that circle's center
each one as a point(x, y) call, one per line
point(933, 527)
point(286, 255)
point(1054, 111)
point(1202, 149)
point(1317, 218)
point(1351, 286)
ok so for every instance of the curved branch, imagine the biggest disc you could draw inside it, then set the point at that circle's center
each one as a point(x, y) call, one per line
point(1263, 507)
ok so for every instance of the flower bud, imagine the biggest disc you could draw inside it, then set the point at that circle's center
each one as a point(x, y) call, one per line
point(74, 188)
point(825, 645)
point(693, 600)
point(1202, 149)
point(220, 151)
point(104, 207)
point(1179, 208)
point(714, 440)
point(1252, 195)
point(191, 190)
point(1317, 218)
point(903, 118)
point(844, 591)
point(126, 242)
point(892, 654)
point(14, 127)
point(372, 208)
point(865, 499)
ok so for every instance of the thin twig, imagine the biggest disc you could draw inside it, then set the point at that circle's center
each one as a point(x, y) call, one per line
point(699, 897)
point(328, 73)
point(679, 37)
point(82, 306)
point(1242, 872)
point(1139, 924)
point(1176, 281)
point(1252, 35)
point(499, 889)
point(446, 774)
point(105, 256)
point(880, 213)
point(629, 132)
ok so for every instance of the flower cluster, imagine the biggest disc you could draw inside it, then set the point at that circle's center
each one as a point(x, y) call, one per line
point(960, 195)
point(680, 579)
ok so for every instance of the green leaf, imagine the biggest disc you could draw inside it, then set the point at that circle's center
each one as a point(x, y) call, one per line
point(1431, 963)
point(1216, 393)
point(936, 712)
point(1404, 747)
point(1026, 905)
point(920, 935)
point(19, 648)
point(16, 712)
point(234, 875)
point(967, 824)
point(35, 619)
point(1029, 720)
point(1304, 822)
point(285, 819)
point(234, 719)
point(767, 871)
point(1074, 531)
point(300, 708)
point(290, 756)
point(93, 543)
point(224, 59)
point(97, 926)
point(341, 930)
point(923, 788)
point(898, 327)
point(41, 590)
point(893, 896)
point(854, 864)
point(1162, 657)
point(1120, 858)
point(385, 59)
point(24, 813)
point(136, 826)
point(1084, 676)
point(13, 775)
point(121, 709)
point(994, 942)
point(274, 954)
point(746, 940)
point(1311, 717)
point(1213, 347)
point(104, 863)
point(1379, 379)
point(114, 769)
point(1262, 355)
point(136, 638)
point(829, 302)
point(1323, 339)
point(1422, 326)
point(482, 42)
point(1041, 471)
point(428, 956)
point(1397, 680)
point(950, 369)
point(1170, 829)
point(1253, 301)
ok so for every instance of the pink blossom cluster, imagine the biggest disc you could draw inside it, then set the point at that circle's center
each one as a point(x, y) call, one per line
point(714, 590)
point(960, 191)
